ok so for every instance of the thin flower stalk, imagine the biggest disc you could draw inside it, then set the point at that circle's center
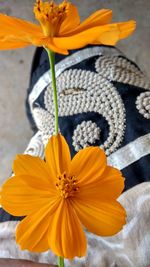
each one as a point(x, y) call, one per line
point(51, 56)
point(61, 262)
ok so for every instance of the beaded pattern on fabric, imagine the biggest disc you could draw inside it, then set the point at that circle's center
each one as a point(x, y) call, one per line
point(35, 147)
point(121, 70)
point(143, 104)
point(84, 91)
point(45, 123)
point(85, 134)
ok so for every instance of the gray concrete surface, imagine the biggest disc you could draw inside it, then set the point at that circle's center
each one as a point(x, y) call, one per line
point(15, 68)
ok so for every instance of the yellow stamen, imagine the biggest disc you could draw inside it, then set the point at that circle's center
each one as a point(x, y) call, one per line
point(67, 186)
point(50, 16)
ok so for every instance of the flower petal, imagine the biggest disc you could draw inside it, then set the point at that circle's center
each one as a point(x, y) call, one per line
point(116, 32)
point(101, 218)
point(71, 21)
point(58, 155)
point(17, 31)
point(108, 34)
point(98, 18)
point(47, 42)
point(19, 198)
point(126, 28)
point(80, 39)
point(33, 166)
point(32, 232)
point(18, 27)
point(88, 165)
point(109, 187)
point(66, 236)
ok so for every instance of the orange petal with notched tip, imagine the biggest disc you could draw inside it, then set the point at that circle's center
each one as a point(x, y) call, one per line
point(101, 218)
point(32, 232)
point(18, 33)
point(66, 235)
point(117, 31)
point(80, 39)
point(88, 165)
point(58, 156)
point(18, 28)
point(109, 187)
point(71, 21)
point(23, 194)
point(108, 34)
point(126, 28)
point(99, 18)
point(32, 166)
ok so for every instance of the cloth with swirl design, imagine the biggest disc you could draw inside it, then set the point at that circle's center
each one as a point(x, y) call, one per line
point(104, 99)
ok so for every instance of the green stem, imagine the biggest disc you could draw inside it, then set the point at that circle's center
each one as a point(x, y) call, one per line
point(61, 262)
point(51, 56)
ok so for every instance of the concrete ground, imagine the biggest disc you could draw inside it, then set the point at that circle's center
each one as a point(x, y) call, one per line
point(15, 68)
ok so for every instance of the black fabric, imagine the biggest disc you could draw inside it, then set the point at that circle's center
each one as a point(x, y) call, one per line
point(5, 217)
point(138, 172)
point(136, 124)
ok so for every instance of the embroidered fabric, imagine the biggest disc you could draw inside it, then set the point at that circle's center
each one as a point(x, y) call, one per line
point(104, 101)
point(82, 92)
point(118, 68)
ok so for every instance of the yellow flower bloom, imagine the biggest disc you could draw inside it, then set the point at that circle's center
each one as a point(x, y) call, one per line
point(60, 29)
point(58, 196)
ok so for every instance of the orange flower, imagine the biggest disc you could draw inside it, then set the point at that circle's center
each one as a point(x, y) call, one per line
point(58, 196)
point(60, 29)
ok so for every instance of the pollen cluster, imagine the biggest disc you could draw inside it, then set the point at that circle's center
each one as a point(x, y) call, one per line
point(67, 186)
point(50, 16)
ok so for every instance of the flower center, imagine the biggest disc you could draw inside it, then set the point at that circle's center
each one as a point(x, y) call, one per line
point(50, 16)
point(67, 186)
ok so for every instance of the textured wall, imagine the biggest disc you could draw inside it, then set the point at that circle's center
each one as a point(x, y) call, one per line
point(15, 67)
